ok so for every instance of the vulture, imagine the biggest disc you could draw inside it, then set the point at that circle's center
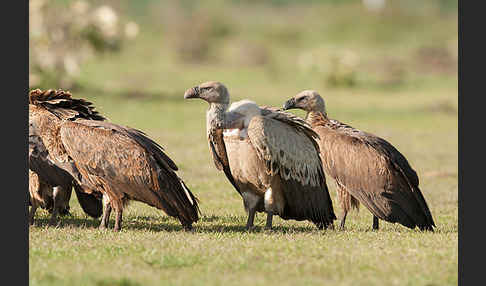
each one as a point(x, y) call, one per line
point(270, 158)
point(56, 199)
point(43, 195)
point(366, 168)
point(71, 141)
point(50, 187)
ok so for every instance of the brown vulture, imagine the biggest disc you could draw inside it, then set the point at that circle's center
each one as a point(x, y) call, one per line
point(72, 141)
point(367, 169)
point(43, 195)
point(270, 158)
point(50, 187)
point(56, 199)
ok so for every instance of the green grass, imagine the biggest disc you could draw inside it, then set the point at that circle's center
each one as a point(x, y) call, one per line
point(143, 86)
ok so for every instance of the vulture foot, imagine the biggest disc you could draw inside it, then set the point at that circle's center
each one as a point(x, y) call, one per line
point(103, 226)
point(31, 215)
point(187, 227)
point(53, 223)
point(375, 223)
point(251, 218)
point(343, 220)
point(268, 226)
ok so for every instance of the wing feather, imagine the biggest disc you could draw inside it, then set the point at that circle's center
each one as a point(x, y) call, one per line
point(220, 157)
point(286, 150)
point(130, 163)
point(373, 171)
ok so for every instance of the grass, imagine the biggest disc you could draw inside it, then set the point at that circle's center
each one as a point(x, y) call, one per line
point(143, 86)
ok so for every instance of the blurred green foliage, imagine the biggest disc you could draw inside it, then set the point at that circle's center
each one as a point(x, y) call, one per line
point(343, 43)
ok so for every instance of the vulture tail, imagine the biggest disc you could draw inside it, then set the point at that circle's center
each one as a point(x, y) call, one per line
point(425, 220)
point(90, 204)
point(403, 208)
point(410, 199)
point(177, 199)
point(307, 203)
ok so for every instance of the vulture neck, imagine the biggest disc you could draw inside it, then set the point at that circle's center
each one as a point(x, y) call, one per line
point(316, 117)
point(215, 115)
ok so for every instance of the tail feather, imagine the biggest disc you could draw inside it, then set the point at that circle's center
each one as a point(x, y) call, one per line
point(177, 198)
point(307, 203)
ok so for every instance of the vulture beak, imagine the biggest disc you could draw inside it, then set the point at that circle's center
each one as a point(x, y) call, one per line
point(289, 104)
point(193, 92)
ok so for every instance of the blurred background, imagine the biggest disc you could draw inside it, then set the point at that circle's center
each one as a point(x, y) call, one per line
point(143, 46)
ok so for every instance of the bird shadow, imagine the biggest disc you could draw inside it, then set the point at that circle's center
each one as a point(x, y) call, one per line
point(210, 224)
point(168, 224)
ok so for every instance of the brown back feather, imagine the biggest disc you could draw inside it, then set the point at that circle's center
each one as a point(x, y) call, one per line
point(61, 103)
point(367, 166)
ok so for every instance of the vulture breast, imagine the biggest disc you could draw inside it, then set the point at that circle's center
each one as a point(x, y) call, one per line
point(246, 167)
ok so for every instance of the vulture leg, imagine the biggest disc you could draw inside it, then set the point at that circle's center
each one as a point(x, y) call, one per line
point(252, 203)
point(118, 220)
point(32, 211)
point(251, 218)
point(269, 220)
point(61, 196)
point(106, 213)
point(375, 223)
point(343, 219)
point(186, 225)
point(56, 197)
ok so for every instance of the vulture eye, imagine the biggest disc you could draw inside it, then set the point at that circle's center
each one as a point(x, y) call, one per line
point(300, 99)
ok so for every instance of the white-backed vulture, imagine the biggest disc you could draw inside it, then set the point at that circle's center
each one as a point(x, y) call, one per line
point(270, 158)
point(119, 162)
point(367, 169)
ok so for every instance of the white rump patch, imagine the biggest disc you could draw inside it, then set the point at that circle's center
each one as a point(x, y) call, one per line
point(268, 197)
point(231, 132)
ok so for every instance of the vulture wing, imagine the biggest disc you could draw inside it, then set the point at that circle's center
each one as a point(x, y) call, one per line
point(218, 150)
point(127, 163)
point(286, 150)
point(291, 152)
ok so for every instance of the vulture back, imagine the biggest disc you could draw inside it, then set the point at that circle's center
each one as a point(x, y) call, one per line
point(374, 172)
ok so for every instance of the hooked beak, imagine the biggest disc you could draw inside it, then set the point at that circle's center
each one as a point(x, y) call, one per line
point(289, 104)
point(193, 92)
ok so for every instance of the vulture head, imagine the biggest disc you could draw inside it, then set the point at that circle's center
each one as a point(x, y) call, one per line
point(308, 100)
point(211, 91)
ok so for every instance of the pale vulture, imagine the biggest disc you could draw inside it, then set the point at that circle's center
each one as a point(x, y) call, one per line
point(270, 158)
point(121, 163)
point(366, 168)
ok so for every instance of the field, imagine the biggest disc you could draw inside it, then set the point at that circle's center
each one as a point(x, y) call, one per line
point(392, 74)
